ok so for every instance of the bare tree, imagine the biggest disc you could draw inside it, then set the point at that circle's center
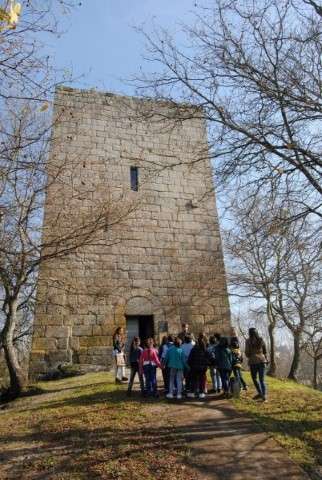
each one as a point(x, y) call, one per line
point(254, 253)
point(279, 264)
point(27, 81)
point(26, 72)
point(248, 318)
point(25, 243)
point(254, 70)
point(29, 167)
point(313, 346)
point(298, 290)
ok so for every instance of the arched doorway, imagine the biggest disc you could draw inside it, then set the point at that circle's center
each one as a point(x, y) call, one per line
point(139, 319)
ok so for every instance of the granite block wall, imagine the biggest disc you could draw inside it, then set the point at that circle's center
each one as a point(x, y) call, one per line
point(160, 253)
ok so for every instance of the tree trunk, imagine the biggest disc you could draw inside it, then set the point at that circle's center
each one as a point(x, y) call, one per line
point(315, 373)
point(17, 376)
point(272, 367)
point(271, 328)
point(296, 357)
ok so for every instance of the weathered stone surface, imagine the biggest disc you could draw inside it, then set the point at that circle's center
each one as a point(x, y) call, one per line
point(57, 332)
point(82, 330)
point(164, 259)
point(55, 358)
point(44, 344)
point(99, 341)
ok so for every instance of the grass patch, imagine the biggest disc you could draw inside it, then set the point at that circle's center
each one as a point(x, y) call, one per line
point(293, 416)
point(85, 428)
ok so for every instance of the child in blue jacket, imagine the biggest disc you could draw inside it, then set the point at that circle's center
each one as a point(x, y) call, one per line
point(176, 361)
point(224, 362)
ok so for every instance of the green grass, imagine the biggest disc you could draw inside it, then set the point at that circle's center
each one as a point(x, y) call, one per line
point(293, 416)
point(84, 428)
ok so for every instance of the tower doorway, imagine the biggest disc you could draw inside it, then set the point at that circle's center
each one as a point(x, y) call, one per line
point(139, 325)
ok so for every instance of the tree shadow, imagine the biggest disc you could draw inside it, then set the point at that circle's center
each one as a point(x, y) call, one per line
point(81, 450)
point(219, 443)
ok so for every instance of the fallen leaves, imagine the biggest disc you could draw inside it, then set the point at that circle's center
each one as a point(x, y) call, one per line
point(9, 17)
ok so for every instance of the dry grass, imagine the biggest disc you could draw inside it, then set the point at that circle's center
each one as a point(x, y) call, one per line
point(85, 428)
point(293, 416)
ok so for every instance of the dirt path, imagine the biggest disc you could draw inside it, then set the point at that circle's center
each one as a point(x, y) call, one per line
point(85, 428)
point(225, 445)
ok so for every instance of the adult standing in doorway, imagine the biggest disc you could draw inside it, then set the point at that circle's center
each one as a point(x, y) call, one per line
point(256, 353)
point(119, 356)
point(184, 332)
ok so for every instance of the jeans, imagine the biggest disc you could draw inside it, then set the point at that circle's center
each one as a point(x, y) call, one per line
point(134, 371)
point(238, 375)
point(176, 375)
point(225, 375)
point(215, 378)
point(259, 369)
point(198, 381)
point(150, 376)
point(187, 379)
point(166, 378)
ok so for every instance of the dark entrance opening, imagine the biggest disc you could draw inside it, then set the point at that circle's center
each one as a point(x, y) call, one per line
point(141, 326)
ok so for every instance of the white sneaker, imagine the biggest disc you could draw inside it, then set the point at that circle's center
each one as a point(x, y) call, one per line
point(179, 397)
point(202, 395)
point(169, 395)
point(190, 395)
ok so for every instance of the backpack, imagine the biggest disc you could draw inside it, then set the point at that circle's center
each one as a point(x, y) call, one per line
point(234, 387)
point(211, 357)
point(237, 358)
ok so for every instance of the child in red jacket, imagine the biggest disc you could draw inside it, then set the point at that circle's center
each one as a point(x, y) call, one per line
point(149, 361)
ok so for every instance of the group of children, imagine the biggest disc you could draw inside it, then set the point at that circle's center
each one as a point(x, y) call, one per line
point(184, 363)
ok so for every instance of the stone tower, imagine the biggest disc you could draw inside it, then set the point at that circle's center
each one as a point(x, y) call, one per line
point(161, 263)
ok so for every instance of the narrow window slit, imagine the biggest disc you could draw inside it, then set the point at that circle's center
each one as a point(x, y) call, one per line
point(134, 176)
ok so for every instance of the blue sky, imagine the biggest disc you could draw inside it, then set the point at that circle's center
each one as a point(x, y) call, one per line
point(101, 44)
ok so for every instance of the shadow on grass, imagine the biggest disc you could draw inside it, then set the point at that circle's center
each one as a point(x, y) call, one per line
point(215, 442)
point(299, 430)
point(87, 450)
point(74, 387)
point(113, 397)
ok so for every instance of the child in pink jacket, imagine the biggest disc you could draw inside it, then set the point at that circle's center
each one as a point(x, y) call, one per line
point(149, 361)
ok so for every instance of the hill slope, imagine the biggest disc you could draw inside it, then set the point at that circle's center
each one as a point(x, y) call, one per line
point(85, 428)
point(293, 416)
